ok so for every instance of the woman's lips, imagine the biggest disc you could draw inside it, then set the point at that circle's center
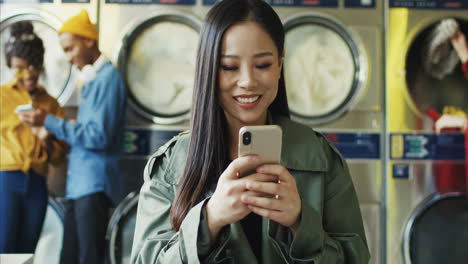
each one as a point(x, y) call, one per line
point(247, 101)
point(28, 83)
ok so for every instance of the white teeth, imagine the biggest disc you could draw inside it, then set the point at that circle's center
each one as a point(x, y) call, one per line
point(247, 100)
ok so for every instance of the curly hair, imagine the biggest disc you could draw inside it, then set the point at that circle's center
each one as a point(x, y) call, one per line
point(23, 43)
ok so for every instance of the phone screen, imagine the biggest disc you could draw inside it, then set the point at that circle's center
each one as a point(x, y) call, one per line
point(24, 108)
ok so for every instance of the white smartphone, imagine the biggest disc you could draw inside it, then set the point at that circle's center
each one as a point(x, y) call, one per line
point(24, 108)
point(264, 141)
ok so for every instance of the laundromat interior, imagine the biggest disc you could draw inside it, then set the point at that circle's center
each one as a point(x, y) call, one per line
point(373, 76)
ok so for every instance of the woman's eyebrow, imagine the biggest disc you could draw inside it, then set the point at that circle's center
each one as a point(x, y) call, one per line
point(263, 54)
point(258, 55)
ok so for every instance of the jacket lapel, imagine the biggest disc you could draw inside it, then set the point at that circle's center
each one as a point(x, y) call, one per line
point(301, 148)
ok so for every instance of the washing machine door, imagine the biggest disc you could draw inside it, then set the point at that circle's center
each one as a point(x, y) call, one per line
point(437, 231)
point(433, 74)
point(50, 241)
point(157, 60)
point(58, 77)
point(121, 229)
point(325, 68)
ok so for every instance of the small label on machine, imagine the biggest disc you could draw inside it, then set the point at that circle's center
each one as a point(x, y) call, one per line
point(144, 142)
point(292, 3)
point(430, 4)
point(25, 1)
point(401, 171)
point(355, 145)
point(166, 2)
point(427, 146)
point(75, 1)
point(359, 3)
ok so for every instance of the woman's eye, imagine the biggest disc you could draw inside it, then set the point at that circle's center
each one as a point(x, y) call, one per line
point(264, 66)
point(228, 68)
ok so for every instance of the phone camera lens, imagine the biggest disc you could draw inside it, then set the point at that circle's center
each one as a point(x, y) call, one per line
point(246, 138)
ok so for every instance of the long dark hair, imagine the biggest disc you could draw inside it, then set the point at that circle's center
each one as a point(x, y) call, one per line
point(208, 150)
point(23, 43)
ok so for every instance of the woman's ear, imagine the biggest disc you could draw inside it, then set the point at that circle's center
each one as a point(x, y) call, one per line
point(281, 61)
point(89, 43)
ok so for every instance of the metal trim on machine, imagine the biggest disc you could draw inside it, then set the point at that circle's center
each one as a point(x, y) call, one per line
point(122, 54)
point(23, 14)
point(418, 211)
point(359, 59)
point(128, 203)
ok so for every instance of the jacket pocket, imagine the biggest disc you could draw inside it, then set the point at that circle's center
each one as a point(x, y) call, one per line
point(354, 248)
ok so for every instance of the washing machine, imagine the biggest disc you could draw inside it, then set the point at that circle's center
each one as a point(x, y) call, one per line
point(153, 44)
point(334, 72)
point(121, 228)
point(426, 193)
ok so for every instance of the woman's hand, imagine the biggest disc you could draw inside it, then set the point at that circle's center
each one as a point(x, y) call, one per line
point(225, 206)
point(45, 136)
point(459, 44)
point(283, 204)
point(34, 118)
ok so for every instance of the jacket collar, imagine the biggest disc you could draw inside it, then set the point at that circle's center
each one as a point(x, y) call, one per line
point(302, 149)
point(39, 89)
point(89, 71)
point(97, 65)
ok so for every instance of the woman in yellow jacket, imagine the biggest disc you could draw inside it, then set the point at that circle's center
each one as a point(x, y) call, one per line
point(24, 152)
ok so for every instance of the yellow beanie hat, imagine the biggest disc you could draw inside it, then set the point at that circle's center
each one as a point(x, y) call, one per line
point(80, 25)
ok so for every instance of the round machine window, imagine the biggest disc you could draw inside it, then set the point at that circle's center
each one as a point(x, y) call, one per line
point(422, 243)
point(57, 70)
point(320, 70)
point(434, 76)
point(160, 68)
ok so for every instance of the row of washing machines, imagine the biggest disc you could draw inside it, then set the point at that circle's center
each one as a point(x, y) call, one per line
point(351, 69)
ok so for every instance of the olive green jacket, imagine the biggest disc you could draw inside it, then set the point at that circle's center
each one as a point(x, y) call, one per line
point(330, 231)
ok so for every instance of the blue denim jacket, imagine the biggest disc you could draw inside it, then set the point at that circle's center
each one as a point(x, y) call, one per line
point(96, 139)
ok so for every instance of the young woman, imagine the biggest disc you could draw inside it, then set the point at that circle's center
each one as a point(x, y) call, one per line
point(25, 151)
point(194, 208)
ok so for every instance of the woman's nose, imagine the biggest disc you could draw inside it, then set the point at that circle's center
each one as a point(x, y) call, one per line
point(29, 75)
point(69, 57)
point(247, 78)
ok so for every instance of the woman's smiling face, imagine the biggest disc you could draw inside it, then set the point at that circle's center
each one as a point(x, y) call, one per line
point(250, 69)
point(27, 76)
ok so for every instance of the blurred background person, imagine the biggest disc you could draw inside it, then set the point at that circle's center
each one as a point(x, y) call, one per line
point(96, 140)
point(458, 41)
point(25, 151)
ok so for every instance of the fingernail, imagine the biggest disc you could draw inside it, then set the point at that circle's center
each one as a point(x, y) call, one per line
point(255, 158)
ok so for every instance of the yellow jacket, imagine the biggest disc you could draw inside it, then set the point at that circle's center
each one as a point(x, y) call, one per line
point(20, 149)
